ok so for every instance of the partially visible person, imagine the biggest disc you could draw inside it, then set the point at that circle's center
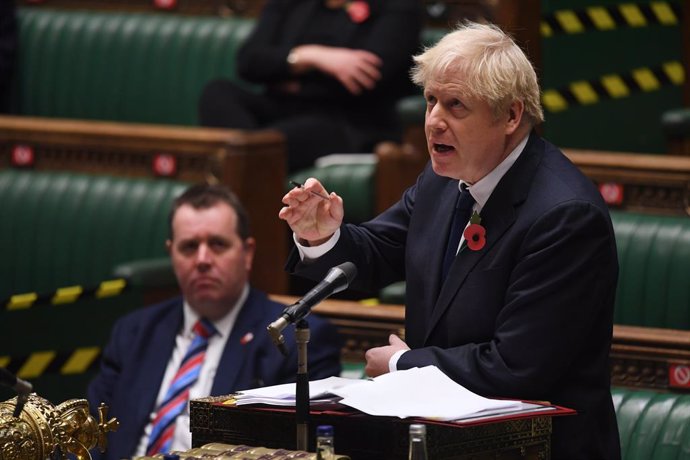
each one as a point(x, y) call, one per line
point(154, 363)
point(332, 71)
point(507, 249)
point(8, 51)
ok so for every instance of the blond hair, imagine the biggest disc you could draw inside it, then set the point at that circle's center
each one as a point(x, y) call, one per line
point(495, 69)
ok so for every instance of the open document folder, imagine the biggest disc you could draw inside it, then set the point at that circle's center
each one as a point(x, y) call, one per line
point(419, 392)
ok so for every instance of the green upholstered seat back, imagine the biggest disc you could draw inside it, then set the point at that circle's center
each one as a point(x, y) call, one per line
point(132, 67)
point(59, 229)
point(354, 182)
point(411, 108)
point(654, 281)
point(653, 425)
point(676, 123)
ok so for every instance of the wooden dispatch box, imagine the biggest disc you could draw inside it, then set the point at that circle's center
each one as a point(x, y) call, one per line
point(363, 437)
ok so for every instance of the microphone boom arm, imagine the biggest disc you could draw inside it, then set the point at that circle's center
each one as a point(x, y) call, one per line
point(337, 279)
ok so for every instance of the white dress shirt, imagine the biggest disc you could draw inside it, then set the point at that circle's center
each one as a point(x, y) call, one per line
point(182, 439)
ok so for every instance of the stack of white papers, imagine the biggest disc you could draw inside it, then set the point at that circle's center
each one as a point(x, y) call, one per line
point(284, 395)
point(419, 392)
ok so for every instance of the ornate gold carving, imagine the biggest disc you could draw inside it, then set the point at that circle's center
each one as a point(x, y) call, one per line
point(241, 452)
point(643, 373)
point(659, 197)
point(43, 430)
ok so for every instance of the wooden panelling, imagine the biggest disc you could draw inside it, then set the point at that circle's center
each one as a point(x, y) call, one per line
point(648, 183)
point(629, 181)
point(251, 164)
point(647, 357)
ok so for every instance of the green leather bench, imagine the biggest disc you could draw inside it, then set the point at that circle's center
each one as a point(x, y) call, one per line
point(133, 67)
point(653, 425)
point(61, 229)
point(654, 279)
point(352, 181)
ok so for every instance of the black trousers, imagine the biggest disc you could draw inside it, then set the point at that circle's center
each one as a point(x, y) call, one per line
point(310, 131)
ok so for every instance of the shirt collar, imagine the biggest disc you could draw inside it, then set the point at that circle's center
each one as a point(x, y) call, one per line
point(223, 325)
point(482, 189)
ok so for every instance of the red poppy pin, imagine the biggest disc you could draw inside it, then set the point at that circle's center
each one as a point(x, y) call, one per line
point(475, 234)
point(358, 11)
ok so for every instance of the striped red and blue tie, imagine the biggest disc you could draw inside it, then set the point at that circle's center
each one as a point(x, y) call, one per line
point(177, 396)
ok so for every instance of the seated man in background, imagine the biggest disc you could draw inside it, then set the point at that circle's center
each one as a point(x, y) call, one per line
point(211, 341)
point(332, 71)
point(507, 249)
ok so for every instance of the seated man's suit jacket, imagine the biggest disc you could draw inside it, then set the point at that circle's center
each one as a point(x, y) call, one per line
point(142, 342)
point(530, 314)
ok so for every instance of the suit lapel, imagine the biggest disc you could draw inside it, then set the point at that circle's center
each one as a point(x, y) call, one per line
point(498, 215)
point(240, 347)
point(154, 363)
point(496, 221)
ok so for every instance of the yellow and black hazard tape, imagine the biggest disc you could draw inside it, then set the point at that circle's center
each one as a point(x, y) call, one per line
point(613, 86)
point(610, 17)
point(65, 295)
point(36, 364)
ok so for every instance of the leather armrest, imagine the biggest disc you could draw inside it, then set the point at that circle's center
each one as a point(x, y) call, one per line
point(147, 273)
point(411, 109)
point(676, 123)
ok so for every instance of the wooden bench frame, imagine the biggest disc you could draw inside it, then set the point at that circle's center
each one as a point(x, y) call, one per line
point(650, 183)
point(646, 357)
point(251, 164)
point(645, 183)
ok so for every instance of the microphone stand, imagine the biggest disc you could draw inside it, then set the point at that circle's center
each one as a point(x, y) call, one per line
point(337, 279)
point(302, 390)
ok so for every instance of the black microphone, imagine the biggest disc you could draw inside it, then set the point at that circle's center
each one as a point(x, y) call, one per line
point(22, 387)
point(337, 279)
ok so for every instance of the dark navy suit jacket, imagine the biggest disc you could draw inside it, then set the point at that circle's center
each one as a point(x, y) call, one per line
point(529, 315)
point(141, 343)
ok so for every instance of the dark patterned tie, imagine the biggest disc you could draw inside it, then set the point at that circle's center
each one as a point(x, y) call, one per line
point(463, 211)
point(177, 396)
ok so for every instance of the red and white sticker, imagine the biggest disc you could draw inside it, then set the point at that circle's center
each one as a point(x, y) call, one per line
point(612, 193)
point(164, 165)
point(679, 376)
point(23, 155)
